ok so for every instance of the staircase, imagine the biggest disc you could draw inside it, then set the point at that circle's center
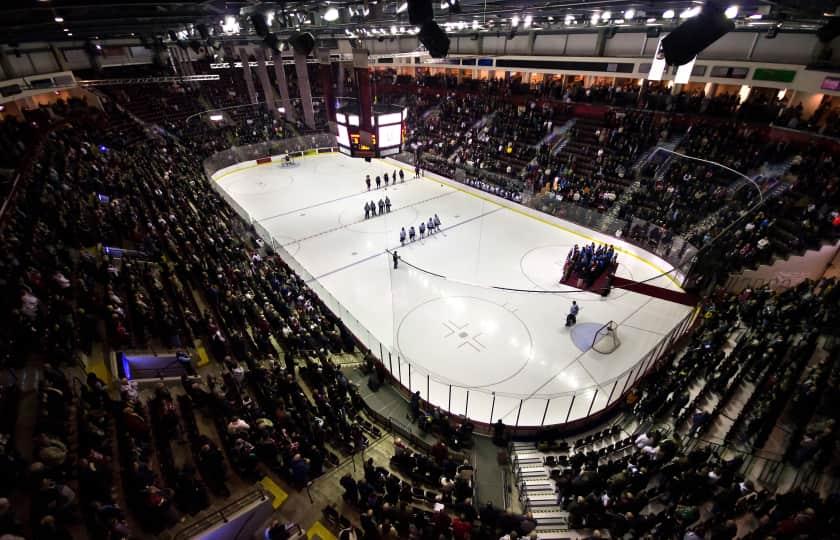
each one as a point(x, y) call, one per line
point(786, 271)
point(636, 169)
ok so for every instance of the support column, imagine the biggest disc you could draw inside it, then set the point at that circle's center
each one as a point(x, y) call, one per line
point(59, 58)
point(265, 84)
point(8, 70)
point(305, 90)
point(283, 86)
point(325, 75)
point(188, 62)
point(360, 66)
point(339, 90)
point(172, 60)
point(247, 75)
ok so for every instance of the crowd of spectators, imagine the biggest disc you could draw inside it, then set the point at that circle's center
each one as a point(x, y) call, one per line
point(695, 491)
point(168, 235)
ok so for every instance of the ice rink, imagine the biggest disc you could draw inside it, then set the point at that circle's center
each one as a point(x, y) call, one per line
point(448, 323)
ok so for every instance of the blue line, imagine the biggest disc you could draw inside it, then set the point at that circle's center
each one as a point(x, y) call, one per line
point(360, 261)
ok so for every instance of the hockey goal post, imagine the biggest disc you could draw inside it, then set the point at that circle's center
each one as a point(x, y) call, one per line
point(606, 339)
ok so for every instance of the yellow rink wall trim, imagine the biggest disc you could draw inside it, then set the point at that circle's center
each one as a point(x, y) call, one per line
point(544, 221)
point(443, 180)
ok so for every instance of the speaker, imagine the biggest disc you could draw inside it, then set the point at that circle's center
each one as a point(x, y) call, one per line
point(434, 38)
point(695, 34)
point(302, 42)
point(420, 12)
point(830, 31)
point(260, 24)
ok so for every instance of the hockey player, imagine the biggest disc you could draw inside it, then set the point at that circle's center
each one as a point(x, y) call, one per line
point(386, 179)
point(402, 176)
point(378, 182)
point(402, 236)
point(571, 318)
point(396, 259)
point(387, 204)
point(411, 234)
point(367, 210)
point(367, 181)
point(430, 226)
point(372, 209)
point(422, 229)
point(437, 223)
point(381, 207)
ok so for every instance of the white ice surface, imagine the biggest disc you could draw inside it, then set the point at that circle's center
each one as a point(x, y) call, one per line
point(522, 352)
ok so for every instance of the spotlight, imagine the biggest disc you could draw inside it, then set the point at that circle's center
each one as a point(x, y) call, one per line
point(690, 12)
point(629, 14)
point(230, 25)
point(606, 15)
point(669, 14)
point(331, 14)
point(434, 39)
point(302, 42)
point(402, 7)
point(420, 11)
point(59, 19)
point(271, 42)
point(260, 24)
point(731, 12)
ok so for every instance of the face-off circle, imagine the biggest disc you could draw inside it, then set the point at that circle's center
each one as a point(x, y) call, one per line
point(468, 342)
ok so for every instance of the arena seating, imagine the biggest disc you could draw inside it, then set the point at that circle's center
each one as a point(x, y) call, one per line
point(133, 248)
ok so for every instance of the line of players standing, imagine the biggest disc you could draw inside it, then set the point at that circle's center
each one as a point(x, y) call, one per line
point(430, 227)
point(384, 205)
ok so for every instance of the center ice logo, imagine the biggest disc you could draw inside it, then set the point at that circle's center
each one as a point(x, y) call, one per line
point(459, 330)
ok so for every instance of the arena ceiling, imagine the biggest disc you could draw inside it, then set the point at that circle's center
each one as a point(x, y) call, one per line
point(58, 20)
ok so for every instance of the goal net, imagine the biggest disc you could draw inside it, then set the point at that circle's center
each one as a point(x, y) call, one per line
point(606, 338)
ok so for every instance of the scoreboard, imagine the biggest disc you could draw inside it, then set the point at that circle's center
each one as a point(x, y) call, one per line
point(385, 139)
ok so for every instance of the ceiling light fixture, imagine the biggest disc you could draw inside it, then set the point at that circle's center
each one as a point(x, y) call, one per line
point(606, 15)
point(595, 18)
point(402, 7)
point(630, 13)
point(331, 14)
point(690, 12)
point(59, 19)
point(515, 20)
point(731, 12)
point(528, 20)
point(669, 14)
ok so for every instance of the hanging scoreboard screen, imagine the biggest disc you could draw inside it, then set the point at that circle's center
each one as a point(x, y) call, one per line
point(385, 139)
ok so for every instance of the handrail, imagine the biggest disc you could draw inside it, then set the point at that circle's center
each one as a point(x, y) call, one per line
point(222, 515)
